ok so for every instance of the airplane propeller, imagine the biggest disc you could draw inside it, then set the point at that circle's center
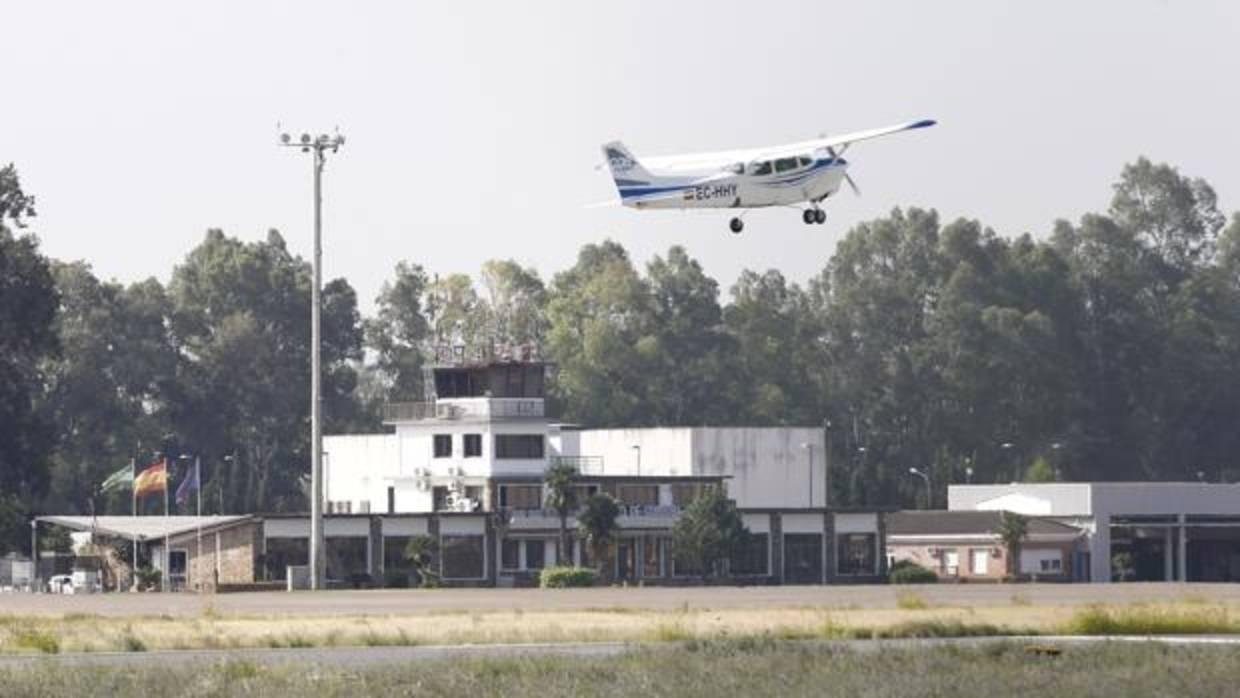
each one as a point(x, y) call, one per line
point(847, 177)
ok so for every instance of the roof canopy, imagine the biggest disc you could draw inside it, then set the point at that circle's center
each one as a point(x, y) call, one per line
point(140, 527)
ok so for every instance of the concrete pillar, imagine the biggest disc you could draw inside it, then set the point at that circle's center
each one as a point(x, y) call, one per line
point(777, 547)
point(1183, 572)
point(828, 551)
point(881, 541)
point(1168, 555)
point(1100, 550)
point(432, 530)
point(374, 556)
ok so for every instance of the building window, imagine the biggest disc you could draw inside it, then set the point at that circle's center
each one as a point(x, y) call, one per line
point(439, 498)
point(803, 558)
point(473, 445)
point(510, 555)
point(520, 496)
point(394, 553)
point(443, 445)
point(856, 553)
point(463, 556)
point(523, 446)
point(535, 554)
point(639, 495)
point(750, 555)
point(683, 493)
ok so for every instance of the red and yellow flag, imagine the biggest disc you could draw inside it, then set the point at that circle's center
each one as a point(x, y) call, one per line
point(151, 480)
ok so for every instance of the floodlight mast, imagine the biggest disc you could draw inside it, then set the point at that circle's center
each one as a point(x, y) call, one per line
point(319, 147)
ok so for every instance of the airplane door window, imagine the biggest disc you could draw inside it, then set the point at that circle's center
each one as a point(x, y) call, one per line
point(804, 161)
point(760, 168)
point(785, 164)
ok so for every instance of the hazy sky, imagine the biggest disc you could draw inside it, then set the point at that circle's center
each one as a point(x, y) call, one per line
point(473, 128)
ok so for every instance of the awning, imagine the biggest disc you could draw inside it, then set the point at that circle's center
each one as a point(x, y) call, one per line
point(141, 527)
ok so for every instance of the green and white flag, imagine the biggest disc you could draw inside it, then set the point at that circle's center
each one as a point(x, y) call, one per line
point(119, 480)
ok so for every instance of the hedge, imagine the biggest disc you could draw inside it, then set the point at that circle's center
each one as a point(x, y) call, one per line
point(564, 576)
point(905, 572)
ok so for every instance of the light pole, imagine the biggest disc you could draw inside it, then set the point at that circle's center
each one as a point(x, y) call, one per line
point(34, 555)
point(809, 448)
point(318, 146)
point(826, 463)
point(1007, 447)
point(638, 448)
point(926, 477)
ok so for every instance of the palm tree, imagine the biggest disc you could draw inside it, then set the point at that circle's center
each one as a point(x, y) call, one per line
point(1012, 530)
point(597, 523)
point(562, 499)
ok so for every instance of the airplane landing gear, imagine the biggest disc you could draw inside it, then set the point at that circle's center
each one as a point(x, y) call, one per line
point(736, 225)
point(808, 216)
point(820, 216)
point(814, 215)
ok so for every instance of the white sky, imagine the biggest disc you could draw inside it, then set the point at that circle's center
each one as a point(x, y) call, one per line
point(473, 128)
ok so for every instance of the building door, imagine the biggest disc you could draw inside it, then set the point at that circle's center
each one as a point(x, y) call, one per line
point(979, 562)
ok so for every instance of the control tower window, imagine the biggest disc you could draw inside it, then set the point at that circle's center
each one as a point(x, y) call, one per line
point(443, 445)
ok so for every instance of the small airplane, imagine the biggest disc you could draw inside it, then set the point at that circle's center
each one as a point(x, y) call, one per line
point(786, 175)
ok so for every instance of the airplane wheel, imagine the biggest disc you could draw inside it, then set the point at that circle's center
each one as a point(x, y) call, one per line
point(820, 216)
point(808, 216)
point(736, 225)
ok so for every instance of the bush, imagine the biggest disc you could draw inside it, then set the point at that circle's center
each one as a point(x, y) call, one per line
point(905, 572)
point(564, 576)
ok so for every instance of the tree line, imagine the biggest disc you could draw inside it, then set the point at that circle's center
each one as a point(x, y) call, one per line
point(1106, 348)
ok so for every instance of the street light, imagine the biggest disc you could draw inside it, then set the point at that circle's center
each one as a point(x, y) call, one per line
point(926, 477)
point(319, 147)
point(810, 462)
point(638, 448)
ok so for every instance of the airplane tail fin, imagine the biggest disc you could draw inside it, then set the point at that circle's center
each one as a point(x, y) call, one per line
point(624, 166)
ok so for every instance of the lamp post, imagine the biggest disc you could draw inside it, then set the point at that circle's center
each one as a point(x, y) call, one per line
point(638, 448)
point(230, 458)
point(1007, 447)
point(34, 555)
point(926, 477)
point(809, 448)
point(318, 146)
point(826, 463)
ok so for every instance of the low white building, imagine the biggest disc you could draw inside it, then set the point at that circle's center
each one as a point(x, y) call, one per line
point(1185, 531)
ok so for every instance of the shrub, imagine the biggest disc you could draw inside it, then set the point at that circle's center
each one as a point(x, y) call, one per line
point(908, 601)
point(905, 572)
point(565, 576)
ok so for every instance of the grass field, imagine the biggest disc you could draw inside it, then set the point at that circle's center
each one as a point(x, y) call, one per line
point(749, 667)
point(911, 616)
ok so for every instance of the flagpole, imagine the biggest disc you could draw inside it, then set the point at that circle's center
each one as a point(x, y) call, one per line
point(167, 576)
point(198, 488)
point(133, 497)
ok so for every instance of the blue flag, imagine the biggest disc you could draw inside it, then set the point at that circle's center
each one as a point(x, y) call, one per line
point(190, 484)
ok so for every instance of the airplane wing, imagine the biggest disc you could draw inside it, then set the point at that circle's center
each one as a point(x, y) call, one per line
point(724, 158)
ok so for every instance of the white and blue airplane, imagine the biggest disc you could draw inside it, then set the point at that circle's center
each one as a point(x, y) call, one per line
point(795, 174)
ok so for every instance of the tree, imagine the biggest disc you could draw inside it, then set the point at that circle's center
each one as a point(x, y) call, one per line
point(1040, 470)
point(420, 551)
point(598, 311)
point(28, 306)
point(399, 333)
point(240, 319)
point(707, 532)
point(1012, 531)
point(514, 304)
point(597, 526)
point(562, 499)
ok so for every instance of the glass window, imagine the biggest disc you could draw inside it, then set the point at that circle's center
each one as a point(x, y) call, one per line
point(473, 445)
point(785, 164)
point(535, 554)
point(510, 554)
point(684, 493)
point(439, 498)
point(856, 553)
point(750, 555)
point(520, 496)
point(803, 558)
point(282, 552)
point(394, 553)
point(346, 557)
point(639, 495)
point(443, 445)
point(525, 446)
point(760, 168)
point(462, 557)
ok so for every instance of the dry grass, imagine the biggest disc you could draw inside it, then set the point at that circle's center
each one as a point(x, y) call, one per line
point(910, 616)
point(699, 669)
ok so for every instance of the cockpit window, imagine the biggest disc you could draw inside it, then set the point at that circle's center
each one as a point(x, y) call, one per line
point(760, 168)
point(804, 161)
point(785, 164)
